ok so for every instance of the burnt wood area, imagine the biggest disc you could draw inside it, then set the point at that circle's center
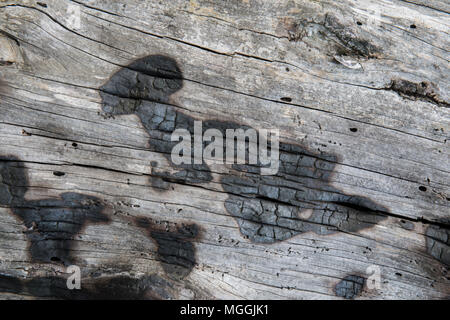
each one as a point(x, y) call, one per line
point(92, 91)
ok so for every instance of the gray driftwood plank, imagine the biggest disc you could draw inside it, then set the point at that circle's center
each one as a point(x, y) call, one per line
point(359, 92)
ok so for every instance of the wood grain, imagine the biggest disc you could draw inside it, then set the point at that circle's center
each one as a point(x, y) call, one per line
point(361, 87)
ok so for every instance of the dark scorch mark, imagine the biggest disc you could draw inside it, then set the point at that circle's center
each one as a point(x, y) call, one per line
point(105, 288)
point(438, 242)
point(51, 224)
point(349, 287)
point(144, 88)
point(299, 198)
point(176, 250)
point(424, 90)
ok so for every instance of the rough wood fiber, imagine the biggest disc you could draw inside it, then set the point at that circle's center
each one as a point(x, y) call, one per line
point(358, 89)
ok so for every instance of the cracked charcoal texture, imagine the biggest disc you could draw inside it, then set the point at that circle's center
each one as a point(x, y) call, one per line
point(350, 287)
point(176, 249)
point(266, 208)
point(144, 88)
point(50, 225)
point(438, 243)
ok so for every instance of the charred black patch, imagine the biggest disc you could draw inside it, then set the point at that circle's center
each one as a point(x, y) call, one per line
point(350, 287)
point(50, 224)
point(105, 288)
point(424, 90)
point(144, 88)
point(438, 242)
point(176, 250)
point(151, 79)
point(299, 198)
point(10, 284)
point(128, 288)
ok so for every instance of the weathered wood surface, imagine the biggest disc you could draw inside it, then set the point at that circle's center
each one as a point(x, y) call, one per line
point(361, 87)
